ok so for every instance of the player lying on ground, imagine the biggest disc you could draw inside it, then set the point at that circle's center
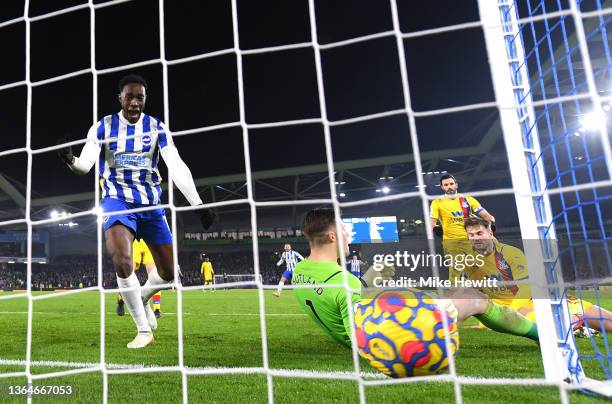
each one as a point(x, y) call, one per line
point(328, 307)
point(130, 179)
point(507, 263)
point(141, 256)
point(290, 258)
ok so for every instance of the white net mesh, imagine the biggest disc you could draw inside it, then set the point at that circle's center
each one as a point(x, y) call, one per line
point(362, 378)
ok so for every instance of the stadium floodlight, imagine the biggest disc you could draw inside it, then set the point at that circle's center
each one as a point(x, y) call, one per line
point(54, 213)
point(386, 190)
point(342, 194)
point(593, 120)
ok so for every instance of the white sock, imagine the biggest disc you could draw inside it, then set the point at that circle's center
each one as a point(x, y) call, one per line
point(133, 301)
point(280, 286)
point(153, 285)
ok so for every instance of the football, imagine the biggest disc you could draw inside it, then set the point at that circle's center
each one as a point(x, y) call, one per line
point(402, 333)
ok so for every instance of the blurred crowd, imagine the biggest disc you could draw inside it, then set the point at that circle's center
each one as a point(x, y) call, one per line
point(81, 271)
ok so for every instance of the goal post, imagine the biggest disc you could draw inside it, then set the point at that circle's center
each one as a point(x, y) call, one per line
point(513, 91)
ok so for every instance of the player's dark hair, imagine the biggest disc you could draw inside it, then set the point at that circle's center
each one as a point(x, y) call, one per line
point(447, 176)
point(130, 79)
point(476, 221)
point(317, 223)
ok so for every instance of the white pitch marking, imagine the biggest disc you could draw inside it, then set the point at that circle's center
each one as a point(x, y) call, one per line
point(77, 365)
point(163, 313)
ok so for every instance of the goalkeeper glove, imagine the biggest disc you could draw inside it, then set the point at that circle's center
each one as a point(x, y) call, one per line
point(207, 217)
point(437, 231)
point(65, 153)
point(493, 227)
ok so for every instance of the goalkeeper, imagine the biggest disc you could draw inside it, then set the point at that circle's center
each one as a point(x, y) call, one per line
point(328, 307)
point(131, 142)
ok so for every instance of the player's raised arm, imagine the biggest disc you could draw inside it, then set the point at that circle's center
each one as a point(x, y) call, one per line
point(479, 210)
point(299, 256)
point(280, 262)
point(82, 164)
point(181, 175)
point(487, 216)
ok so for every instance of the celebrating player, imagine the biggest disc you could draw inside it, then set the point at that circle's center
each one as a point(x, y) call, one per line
point(506, 264)
point(207, 272)
point(290, 258)
point(130, 179)
point(328, 307)
point(141, 256)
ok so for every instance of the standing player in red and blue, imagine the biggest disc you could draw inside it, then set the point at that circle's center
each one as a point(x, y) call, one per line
point(290, 258)
point(131, 142)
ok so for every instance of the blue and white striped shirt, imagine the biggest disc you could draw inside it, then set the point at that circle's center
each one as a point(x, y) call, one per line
point(290, 258)
point(128, 162)
point(356, 266)
point(128, 167)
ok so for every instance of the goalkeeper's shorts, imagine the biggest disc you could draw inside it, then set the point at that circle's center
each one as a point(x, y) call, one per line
point(150, 225)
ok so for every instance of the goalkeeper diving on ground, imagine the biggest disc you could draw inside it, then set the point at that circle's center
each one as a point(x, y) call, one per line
point(329, 307)
point(131, 143)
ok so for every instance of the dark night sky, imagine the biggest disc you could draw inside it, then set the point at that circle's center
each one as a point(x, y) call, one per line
point(444, 70)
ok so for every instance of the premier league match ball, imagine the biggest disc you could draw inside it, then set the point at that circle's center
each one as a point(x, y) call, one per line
point(402, 333)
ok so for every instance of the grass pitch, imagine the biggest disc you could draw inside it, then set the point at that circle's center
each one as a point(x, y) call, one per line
point(222, 330)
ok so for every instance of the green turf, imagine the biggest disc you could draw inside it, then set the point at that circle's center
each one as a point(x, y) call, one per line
point(222, 329)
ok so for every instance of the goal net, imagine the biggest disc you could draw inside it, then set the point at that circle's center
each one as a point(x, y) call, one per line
point(551, 71)
point(236, 281)
point(551, 67)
